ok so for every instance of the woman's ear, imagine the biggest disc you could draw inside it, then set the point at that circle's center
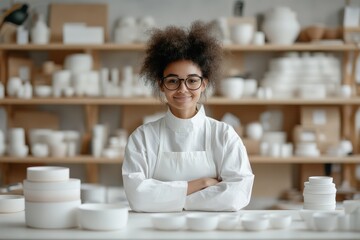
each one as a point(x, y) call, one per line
point(204, 84)
point(161, 87)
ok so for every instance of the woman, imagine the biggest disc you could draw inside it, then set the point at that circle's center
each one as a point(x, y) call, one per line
point(185, 160)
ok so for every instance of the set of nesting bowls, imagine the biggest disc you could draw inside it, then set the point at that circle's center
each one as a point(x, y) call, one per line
point(320, 193)
point(224, 222)
point(51, 198)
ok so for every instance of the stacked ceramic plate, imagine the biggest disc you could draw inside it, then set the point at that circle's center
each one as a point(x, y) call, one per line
point(51, 198)
point(320, 193)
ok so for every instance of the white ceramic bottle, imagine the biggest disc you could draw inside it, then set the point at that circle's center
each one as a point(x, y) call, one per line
point(40, 32)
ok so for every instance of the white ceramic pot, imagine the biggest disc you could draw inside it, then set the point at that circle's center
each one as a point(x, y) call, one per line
point(40, 32)
point(51, 215)
point(11, 203)
point(281, 26)
point(281, 32)
point(242, 34)
point(232, 87)
point(254, 130)
point(102, 217)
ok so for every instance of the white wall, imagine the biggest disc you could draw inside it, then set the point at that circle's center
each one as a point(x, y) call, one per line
point(178, 12)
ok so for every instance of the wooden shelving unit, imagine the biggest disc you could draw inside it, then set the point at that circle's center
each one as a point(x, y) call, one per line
point(153, 101)
point(254, 159)
point(134, 105)
point(141, 47)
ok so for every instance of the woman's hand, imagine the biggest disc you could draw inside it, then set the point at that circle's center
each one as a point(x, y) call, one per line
point(201, 183)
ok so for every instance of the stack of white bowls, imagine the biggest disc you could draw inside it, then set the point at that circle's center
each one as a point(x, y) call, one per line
point(320, 193)
point(51, 198)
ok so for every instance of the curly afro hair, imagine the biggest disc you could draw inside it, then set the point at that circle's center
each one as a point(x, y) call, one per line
point(173, 44)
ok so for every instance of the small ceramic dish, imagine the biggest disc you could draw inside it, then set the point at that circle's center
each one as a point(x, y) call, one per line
point(280, 220)
point(168, 221)
point(102, 217)
point(325, 221)
point(11, 203)
point(255, 222)
point(202, 221)
point(47, 174)
point(228, 222)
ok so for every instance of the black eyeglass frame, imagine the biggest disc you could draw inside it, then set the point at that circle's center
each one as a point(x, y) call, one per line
point(183, 79)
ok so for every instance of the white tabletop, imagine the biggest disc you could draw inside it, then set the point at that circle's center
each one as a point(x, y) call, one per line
point(12, 226)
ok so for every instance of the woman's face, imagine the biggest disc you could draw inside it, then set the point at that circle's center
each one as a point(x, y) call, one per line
point(182, 101)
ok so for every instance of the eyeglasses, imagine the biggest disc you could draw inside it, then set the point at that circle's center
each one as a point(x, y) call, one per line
point(192, 82)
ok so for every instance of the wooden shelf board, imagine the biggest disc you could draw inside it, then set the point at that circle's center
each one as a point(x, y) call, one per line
point(302, 160)
point(253, 159)
point(154, 101)
point(141, 47)
point(60, 46)
point(76, 159)
point(293, 47)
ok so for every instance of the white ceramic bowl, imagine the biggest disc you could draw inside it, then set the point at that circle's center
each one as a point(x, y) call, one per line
point(280, 220)
point(168, 221)
point(55, 215)
point(325, 221)
point(232, 87)
point(11, 203)
point(64, 195)
point(102, 217)
point(202, 221)
point(228, 221)
point(320, 180)
point(43, 91)
point(255, 222)
point(47, 174)
point(72, 183)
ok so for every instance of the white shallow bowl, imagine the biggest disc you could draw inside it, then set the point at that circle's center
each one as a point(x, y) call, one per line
point(43, 91)
point(280, 220)
point(202, 221)
point(255, 222)
point(102, 217)
point(71, 183)
point(47, 174)
point(325, 221)
point(228, 221)
point(11, 203)
point(52, 195)
point(168, 221)
point(56, 215)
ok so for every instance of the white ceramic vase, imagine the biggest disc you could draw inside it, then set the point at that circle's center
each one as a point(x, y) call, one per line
point(40, 32)
point(281, 26)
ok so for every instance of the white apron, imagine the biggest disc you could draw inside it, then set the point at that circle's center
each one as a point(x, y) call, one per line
point(184, 166)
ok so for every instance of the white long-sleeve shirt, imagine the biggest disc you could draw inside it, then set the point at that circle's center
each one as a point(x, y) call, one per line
point(146, 194)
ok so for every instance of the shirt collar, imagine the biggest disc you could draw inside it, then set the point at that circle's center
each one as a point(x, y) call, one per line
point(185, 125)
